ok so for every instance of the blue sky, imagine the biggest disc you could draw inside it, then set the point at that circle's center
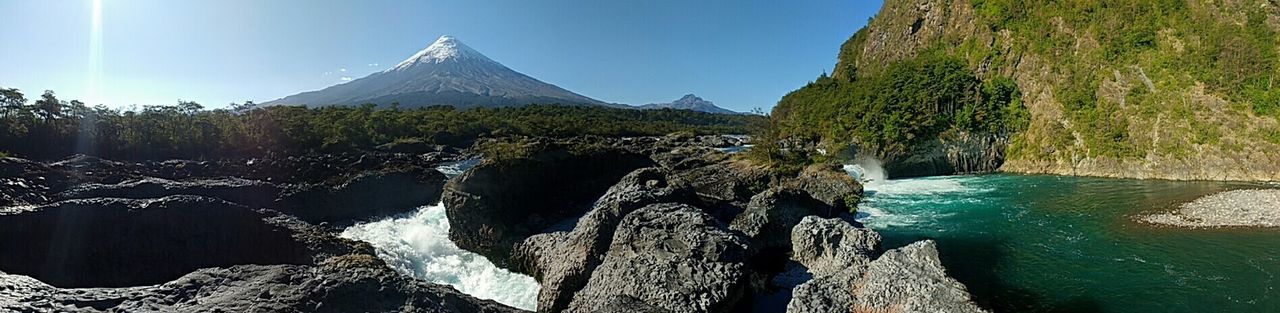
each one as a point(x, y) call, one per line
point(739, 54)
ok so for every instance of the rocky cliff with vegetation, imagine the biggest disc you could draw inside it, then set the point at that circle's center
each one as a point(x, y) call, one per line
point(1168, 89)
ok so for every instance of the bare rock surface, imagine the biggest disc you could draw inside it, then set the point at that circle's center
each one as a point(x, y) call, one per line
point(672, 257)
point(563, 261)
point(848, 279)
point(1235, 208)
point(357, 283)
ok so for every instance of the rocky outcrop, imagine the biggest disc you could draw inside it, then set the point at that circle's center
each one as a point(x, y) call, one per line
point(563, 261)
point(849, 276)
point(364, 196)
point(354, 283)
point(506, 199)
point(24, 182)
point(642, 245)
point(114, 242)
point(672, 257)
point(198, 236)
point(827, 246)
point(241, 191)
point(950, 154)
point(715, 176)
point(378, 185)
point(769, 217)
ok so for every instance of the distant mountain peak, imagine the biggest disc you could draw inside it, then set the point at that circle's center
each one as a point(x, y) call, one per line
point(689, 98)
point(690, 102)
point(445, 49)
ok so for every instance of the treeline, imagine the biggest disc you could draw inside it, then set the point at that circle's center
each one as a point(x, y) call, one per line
point(909, 102)
point(52, 128)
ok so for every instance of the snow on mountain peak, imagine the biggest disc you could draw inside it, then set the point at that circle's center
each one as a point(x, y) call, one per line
point(445, 48)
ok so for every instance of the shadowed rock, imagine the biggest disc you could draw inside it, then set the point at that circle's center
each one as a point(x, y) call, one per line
point(112, 242)
point(502, 202)
point(242, 191)
point(563, 261)
point(364, 196)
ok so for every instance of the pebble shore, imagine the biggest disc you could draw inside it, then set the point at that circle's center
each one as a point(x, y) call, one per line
point(1235, 208)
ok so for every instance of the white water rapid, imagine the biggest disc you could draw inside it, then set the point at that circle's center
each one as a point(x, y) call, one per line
point(418, 244)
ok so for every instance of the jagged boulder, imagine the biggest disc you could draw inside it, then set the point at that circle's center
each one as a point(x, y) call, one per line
point(523, 188)
point(771, 215)
point(669, 257)
point(828, 246)
point(838, 191)
point(849, 276)
point(563, 261)
point(715, 176)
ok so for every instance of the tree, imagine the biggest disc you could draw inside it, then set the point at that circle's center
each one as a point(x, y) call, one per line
point(48, 107)
point(11, 101)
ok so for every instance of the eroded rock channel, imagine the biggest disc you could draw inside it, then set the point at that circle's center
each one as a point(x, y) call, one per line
point(650, 224)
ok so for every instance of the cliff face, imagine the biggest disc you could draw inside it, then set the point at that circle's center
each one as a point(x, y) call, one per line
point(1171, 89)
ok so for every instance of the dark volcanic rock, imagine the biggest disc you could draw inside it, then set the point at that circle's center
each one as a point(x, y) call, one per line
point(950, 154)
point(829, 184)
point(352, 283)
point(503, 201)
point(715, 176)
point(772, 214)
point(23, 182)
point(242, 191)
point(112, 242)
point(364, 196)
point(846, 278)
point(219, 236)
point(563, 261)
point(672, 257)
point(829, 246)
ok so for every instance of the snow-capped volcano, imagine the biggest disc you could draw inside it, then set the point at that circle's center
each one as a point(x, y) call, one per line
point(447, 72)
point(443, 50)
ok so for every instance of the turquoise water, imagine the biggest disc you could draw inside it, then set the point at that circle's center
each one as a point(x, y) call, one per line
point(1071, 244)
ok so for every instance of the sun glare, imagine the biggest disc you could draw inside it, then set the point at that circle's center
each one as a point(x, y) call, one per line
point(95, 55)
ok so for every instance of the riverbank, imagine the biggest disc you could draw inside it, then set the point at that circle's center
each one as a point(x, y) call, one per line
point(1235, 208)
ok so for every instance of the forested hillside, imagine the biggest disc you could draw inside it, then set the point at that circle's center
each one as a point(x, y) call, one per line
point(52, 128)
point(1175, 89)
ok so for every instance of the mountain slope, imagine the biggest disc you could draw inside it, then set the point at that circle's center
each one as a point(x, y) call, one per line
point(689, 102)
point(446, 73)
point(1169, 89)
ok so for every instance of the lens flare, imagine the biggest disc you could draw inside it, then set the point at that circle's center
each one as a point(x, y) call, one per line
point(95, 55)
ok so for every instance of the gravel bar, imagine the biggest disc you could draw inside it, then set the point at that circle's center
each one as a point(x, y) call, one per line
point(1235, 208)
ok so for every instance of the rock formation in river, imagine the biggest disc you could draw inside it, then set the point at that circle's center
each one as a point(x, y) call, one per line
point(673, 238)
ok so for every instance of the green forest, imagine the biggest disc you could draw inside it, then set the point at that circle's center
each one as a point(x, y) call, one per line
point(909, 102)
point(49, 127)
point(1117, 80)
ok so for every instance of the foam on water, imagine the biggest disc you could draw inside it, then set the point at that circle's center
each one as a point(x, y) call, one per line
point(418, 244)
point(899, 203)
point(452, 169)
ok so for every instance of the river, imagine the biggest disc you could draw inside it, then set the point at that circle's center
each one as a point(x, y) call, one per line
point(1073, 244)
